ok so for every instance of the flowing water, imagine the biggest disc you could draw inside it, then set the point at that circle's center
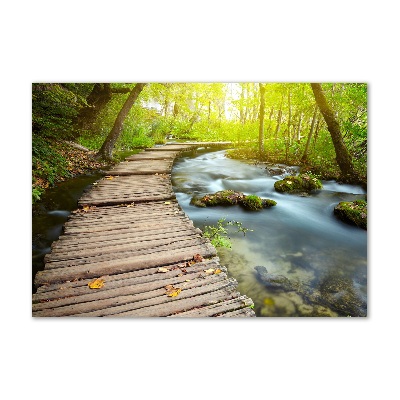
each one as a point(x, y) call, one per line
point(323, 259)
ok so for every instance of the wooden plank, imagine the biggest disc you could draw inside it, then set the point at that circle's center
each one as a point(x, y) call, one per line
point(141, 167)
point(94, 270)
point(172, 147)
point(153, 155)
point(164, 310)
point(243, 312)
point(167, 221)
point(133, 300)
point(163, 305)
point(119, 254)
point(108, 293)
point(123, 189)
point(78, 288)
point(218, 308)
point(120, 279)
point(105, 247)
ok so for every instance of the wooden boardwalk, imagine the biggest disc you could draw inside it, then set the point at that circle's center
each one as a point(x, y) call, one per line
point(130, 251)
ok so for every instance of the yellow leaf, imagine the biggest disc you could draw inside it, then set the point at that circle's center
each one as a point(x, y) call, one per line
point(96, 284)
point(86, 208)
point(109, 177)
point(209, 271)
point(175, 292)
point(167, 202)
point(217, 271)
point(162, 269)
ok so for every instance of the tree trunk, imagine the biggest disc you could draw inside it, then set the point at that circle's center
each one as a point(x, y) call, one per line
point(299, 127)
point(289, 118)
point(176, 110)
point(241, 108)
point(261, 117)
point(306, 150)
point(97, 100)
point(106, 149)
point(278, 125)
point(343, 157)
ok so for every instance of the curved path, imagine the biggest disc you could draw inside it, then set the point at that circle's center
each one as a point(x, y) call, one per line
point(129, 250)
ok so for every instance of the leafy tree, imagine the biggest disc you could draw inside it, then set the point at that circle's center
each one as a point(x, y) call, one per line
point(342, 155)
point(106, 149)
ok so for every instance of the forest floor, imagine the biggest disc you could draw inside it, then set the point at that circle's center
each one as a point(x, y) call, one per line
point(80, 161)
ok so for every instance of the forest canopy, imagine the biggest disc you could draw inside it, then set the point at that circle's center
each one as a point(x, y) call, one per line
point(276, 122)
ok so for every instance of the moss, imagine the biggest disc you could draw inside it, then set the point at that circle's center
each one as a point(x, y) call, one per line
point(231, 197)
point(268, 203)
point(252, 202)
point(222, 198)
point(352, 212)
point(298, 184)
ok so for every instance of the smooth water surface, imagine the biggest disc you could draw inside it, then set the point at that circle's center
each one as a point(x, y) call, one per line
point(323, 258)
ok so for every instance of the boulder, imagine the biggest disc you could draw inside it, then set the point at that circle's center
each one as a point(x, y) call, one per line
point(352, 212)
point(303, 183)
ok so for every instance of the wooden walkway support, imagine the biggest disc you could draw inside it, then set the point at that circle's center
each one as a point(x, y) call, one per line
point(130, 251)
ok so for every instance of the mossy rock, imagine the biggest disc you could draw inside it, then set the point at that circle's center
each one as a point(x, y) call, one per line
point(353, 212)
point(252, 202)
point(303, 183)
point(231, 197)
point(221, 198)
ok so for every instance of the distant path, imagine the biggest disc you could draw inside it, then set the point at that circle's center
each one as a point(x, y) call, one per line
point(130, 233)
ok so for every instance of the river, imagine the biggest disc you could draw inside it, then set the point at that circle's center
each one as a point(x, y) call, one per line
point(323, 258)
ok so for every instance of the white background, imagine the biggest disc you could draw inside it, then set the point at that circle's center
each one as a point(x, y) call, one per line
point(229, 41)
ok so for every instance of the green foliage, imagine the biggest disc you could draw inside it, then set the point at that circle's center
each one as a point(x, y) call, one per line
point(36, 194)
point(47, 162)
point(54, 109)
point(218, 233)
point(252, 202)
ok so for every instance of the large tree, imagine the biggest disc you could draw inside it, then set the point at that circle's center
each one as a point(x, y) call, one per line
point(97, 100)
point(106, 149)
point(343, 157)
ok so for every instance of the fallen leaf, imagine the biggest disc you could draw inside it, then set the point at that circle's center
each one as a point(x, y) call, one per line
point(197, 258)
point(190, 263)
point(209, 271)
point(109, 177)
point(217, 271)
point(167, 202)
point(162, 269)
point(86, 208)
point(96, 284)
point(172, 291)
point(175, 292)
